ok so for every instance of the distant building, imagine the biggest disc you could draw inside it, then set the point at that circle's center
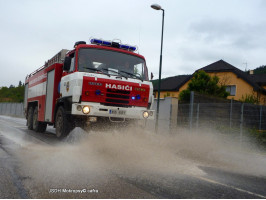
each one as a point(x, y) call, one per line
point(171, 86)
point(238, 83)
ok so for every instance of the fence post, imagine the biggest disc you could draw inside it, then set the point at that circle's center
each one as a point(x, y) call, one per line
point(231, 111)
point(260, 116)
point(241, 121)
point(12, 109)
point(20, 109)
point(197, 124)
point(191, 109)
point(6, 109)
point(16, 113)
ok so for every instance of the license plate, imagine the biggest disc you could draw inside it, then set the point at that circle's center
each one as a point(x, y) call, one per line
point(117, 112)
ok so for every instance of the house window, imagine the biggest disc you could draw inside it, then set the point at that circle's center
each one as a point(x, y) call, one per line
point(231, 89)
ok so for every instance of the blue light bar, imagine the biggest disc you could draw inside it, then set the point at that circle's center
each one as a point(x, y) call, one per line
point(100, 42)
point(127, 47)
point(132, 48)
point(123, 46)
point(108, 43)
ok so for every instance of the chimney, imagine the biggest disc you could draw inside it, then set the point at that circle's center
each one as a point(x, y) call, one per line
point(251, 72)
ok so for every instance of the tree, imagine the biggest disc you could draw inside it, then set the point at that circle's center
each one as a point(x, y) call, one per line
point(203, 83)
point(260, 70)
point(12, 94)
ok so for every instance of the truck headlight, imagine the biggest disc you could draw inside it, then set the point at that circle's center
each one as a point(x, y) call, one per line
point(145, 114)
point(86, 110)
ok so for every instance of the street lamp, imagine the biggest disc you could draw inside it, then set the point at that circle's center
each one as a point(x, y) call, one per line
point(158, 7)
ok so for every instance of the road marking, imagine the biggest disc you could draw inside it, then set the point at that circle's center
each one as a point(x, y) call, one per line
point(235, 188)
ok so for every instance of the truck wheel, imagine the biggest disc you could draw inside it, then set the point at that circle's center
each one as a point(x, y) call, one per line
point(30, 118)
point(37, 125)
point(62, 124)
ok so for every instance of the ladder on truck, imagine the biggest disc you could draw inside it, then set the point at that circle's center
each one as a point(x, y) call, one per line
point(58, 58)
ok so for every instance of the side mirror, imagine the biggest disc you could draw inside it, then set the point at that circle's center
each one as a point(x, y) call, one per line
point(151, 75)
point(67, 64)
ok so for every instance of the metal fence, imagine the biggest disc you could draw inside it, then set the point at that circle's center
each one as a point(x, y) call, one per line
point(12, 109)
point(232, 114)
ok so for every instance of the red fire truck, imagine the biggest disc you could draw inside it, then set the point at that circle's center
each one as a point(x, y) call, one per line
point(96, 82)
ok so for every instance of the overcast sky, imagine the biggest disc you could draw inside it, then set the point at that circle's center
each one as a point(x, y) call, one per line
point(196, 32)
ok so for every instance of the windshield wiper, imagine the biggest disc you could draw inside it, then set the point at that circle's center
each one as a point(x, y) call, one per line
point(115, 72)
point(132, 75)
point(97, 70)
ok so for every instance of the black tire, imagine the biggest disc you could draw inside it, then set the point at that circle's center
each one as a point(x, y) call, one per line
point(30, 118)
point(63, 126)
point(37, 125)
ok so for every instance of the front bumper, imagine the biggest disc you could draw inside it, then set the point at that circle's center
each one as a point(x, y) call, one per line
point(99, 110)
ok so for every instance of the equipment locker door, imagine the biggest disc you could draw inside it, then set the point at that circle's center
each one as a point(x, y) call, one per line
point(49, 96)
point(26, 96)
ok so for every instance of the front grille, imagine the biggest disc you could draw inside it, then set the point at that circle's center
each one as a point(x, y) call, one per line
point(119, 98)
point(118, 91)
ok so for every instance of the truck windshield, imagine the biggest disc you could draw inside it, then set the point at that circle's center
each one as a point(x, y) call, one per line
point(111, 62)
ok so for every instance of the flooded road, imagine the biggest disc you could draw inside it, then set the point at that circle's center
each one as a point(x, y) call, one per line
point(129, 163)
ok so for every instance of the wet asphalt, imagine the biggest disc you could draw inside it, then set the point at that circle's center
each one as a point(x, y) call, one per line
point(17, 182)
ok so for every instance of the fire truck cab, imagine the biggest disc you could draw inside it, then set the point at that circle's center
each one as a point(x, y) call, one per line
point(101, 81)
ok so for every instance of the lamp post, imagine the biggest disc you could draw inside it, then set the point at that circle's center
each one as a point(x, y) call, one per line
point(158, 7)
